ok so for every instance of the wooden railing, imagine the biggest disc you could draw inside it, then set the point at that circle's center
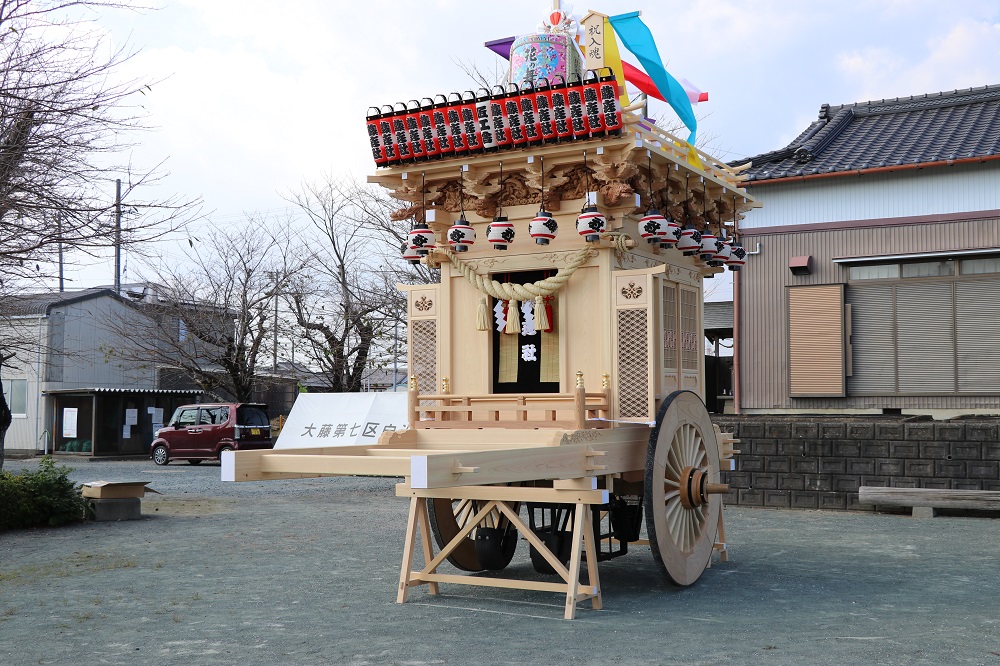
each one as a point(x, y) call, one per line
point(574, 411)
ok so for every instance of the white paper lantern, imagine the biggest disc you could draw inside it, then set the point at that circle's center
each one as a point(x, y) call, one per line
point(500, 232)
point(653, 226)
point(422, 239)
point(671, 236)
point(591, 224)
point(737, 258)
point(461, 235)
point(543, 227)
point(690, 241)
point(410, 254)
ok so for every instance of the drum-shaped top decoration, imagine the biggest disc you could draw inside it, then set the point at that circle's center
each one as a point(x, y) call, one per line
point(542, 56)
point(461, 235)
point(591, 223)
point(543, 228)
point(500, 232)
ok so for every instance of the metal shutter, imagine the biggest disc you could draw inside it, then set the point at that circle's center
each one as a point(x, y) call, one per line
point(978, 335)
point(816, 341)
point(925, 338)
point(873, 340)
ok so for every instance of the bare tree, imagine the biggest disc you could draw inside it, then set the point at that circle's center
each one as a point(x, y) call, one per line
point(346, 305)
point(211, 315)
point(66, 123)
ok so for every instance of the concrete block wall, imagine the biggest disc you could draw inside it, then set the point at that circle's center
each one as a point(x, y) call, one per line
point(820, 462)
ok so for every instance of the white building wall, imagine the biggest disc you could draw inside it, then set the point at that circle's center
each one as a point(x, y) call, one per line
point(27, 433)
point(932, 191)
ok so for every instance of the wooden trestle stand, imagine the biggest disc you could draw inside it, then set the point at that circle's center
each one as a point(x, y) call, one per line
point(513, 429)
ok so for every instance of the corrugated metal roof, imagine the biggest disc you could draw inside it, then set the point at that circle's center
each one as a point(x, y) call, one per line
point(890, 132)
point(39, 304)
point(719, 316)
point(103, 389)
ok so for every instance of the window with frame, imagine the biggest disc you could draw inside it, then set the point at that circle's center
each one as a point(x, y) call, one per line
point(15, 392)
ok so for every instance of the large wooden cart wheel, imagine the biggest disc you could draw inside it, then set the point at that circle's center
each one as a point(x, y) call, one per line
point(491, 548)
point(683, 496)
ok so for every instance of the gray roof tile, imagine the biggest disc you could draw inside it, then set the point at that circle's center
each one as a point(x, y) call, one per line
point(890, 132)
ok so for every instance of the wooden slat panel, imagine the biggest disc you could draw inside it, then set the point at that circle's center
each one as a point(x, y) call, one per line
point(873, 340)
point(816, 341)
point(925, 338)
point(978, 335)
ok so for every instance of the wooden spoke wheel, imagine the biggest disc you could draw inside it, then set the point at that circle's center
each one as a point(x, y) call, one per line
point(490, 546)
point(683, 496)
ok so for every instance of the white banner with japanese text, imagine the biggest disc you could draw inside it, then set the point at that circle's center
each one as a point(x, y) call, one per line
point(341, 419)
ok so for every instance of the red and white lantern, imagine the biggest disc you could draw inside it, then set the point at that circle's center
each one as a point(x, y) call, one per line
point(591, 223)
point(413, 139)
point(707, 248)
point(543, 227)
point(399, 133)
point(501, 131)
point(374, 137)
point(592, 103)
point(422, 239)
point(577, 111)
point(653, 226)
point(738, 256)
point(560, 110)
point(467, 112)
point(461, 235)
point(529, 114)
point(690, 241)
point(543, 106)
point(722, 253)
point(441, 133)
point(425, 119)
point(409, 254)
point(453, 115)
point(500, 232)
point(611, 110)
point(385, 132)
point(671, 235)
point(515, 119)
point(484, 121)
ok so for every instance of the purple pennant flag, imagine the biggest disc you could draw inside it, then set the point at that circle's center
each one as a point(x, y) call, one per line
point(501, 46)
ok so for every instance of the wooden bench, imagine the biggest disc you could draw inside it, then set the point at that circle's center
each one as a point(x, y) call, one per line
point(926, 501)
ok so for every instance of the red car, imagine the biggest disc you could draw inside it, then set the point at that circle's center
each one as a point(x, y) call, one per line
point(202, 432)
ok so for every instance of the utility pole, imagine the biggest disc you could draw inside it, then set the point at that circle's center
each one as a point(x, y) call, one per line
point(274, 357)
point(118, 236)
point(62, 284)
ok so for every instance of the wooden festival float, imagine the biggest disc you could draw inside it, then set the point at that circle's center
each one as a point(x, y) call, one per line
point(558, 367)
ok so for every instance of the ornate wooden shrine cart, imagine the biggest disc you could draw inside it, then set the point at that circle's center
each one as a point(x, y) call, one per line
point(504, 437)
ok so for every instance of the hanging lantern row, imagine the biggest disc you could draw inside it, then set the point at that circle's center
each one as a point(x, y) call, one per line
point(488, 121)
point(653, 227)
point(590, 224)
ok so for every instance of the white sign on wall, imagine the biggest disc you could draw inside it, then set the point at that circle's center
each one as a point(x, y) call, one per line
point(341, 419)
point(69, 422)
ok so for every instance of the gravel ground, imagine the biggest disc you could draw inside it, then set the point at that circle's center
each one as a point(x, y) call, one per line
point(305, 571)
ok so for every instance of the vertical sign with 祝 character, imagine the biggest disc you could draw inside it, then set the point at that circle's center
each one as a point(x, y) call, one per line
point(593, 32)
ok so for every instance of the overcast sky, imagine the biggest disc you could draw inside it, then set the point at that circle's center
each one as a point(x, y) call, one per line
point(258, 97)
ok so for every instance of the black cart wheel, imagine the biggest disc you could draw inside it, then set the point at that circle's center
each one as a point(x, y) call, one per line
point(683, 495)
point(489, 546)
